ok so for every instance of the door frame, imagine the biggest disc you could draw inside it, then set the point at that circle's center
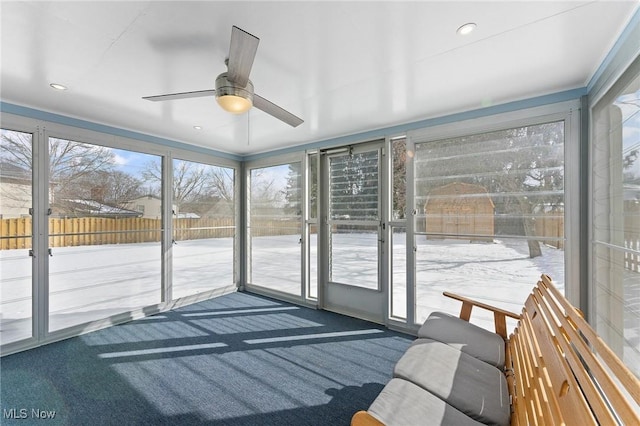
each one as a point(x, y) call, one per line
point(360, 302)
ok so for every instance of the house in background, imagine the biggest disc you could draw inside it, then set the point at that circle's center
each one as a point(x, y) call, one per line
point(149, 205)
point(15, 191)
point(90, 208)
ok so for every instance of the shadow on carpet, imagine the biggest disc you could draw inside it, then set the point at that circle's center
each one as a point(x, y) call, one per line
point(239, 359)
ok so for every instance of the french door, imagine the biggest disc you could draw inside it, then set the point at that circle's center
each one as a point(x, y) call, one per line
point(353, 232)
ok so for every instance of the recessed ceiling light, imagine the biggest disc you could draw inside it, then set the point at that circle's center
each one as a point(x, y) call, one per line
point(466, 28)
point(58, 86)
point(197, 127)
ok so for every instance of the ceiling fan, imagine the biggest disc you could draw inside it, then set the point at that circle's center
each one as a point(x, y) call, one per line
point(234, 90)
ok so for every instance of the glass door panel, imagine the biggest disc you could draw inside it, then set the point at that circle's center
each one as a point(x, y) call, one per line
point(354, 219)
point(353, 233)
point(354, 255)
point(203, 227)
point(275, 226)
point(15, 236)
point(104, 232)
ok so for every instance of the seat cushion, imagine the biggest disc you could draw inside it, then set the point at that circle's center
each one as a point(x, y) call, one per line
point(403, 403)
point(464, 336)
point(474, 387)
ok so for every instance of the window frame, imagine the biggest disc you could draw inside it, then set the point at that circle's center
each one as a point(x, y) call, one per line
point(298, 156)
point(605, 94)
point(569, 112)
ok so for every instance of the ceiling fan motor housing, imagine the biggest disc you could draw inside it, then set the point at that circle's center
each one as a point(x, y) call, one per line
point(231, 97)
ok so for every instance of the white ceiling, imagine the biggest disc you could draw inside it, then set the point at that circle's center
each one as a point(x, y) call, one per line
point(344, 67)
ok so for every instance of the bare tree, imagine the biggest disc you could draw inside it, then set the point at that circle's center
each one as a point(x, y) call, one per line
point(16, 149)
point(113, 187)
point(265, 196)
point(221, 181)
point(74, 167)
point(195, 185)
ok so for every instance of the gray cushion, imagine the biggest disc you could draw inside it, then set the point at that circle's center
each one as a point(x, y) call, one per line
point(403, 403)
point(474, 387)
point(464, 336)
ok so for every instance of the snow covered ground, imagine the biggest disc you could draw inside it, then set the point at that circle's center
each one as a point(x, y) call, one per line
point(94, 282)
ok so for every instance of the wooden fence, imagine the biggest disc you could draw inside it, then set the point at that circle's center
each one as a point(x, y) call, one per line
point(551, 225)
point(15, 233)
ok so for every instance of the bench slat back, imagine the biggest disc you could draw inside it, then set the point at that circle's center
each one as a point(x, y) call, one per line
point(557, 378)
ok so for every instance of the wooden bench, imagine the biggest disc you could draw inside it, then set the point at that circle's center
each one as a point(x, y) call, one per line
point(558, 370)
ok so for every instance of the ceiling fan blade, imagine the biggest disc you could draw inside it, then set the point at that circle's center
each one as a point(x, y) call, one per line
point(182, 95)
point(275, 111)
point(241, 54)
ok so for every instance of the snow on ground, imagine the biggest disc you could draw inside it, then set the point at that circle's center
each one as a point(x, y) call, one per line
point(88, 283)
point(500, 273)
point(93, 282)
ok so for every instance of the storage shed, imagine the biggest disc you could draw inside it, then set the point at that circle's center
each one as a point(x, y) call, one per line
point(460, 211)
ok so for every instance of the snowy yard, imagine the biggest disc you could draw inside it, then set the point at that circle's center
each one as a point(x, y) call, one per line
point(93, 282)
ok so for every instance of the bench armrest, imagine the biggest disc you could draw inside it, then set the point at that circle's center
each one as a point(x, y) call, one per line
point(362, 418)
point(499, 315)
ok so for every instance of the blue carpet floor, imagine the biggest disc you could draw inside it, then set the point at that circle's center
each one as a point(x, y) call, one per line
point(239, 359)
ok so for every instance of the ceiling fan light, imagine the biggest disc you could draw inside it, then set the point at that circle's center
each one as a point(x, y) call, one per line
point(232, 98)
point(234, 104)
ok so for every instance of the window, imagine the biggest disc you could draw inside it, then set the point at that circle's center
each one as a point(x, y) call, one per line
point(615, 256)
point(203, 227)
point(489, 215)
point(275, 227)
point(82, 229)
point(398, 299)
point(16, 167)
point(105, 256)
point(312, 225)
